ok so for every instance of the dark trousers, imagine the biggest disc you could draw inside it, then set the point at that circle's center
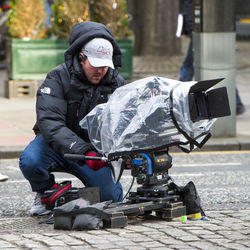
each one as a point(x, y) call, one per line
point(187, 68)
point(39, 160)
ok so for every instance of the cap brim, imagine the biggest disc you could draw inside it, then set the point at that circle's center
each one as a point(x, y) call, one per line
point(99, 62)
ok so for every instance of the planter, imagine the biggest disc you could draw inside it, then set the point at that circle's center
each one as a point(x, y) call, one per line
point(33, 59)
point(127, 48)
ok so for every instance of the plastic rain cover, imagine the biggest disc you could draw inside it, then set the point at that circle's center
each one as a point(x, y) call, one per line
point(137, 118)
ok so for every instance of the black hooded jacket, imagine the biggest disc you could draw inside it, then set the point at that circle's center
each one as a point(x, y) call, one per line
point(66, 95)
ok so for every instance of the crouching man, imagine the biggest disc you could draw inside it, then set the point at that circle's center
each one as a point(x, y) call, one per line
point(70, 91)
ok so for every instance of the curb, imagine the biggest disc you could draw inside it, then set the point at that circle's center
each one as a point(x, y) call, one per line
point(240, 143)
point(227, 144)
point(223, 144)
point(11, 152)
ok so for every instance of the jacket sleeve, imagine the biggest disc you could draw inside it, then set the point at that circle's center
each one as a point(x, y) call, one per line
point(51, 109)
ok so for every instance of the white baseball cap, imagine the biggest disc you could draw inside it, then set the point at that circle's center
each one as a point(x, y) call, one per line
point(99, 52)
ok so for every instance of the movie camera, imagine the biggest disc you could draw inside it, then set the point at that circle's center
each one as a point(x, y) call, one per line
point(140, 122)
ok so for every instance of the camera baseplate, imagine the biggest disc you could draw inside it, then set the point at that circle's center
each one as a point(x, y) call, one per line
point(167, 207)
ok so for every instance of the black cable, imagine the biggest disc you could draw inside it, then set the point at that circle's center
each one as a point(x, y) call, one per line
point(129, 188)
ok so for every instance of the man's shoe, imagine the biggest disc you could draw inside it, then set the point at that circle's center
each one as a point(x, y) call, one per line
point(54, 196)
point(240, 109)
point(3, 177)
point(38, 208)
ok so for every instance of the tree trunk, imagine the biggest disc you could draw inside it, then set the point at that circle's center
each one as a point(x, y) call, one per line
point(154, 24)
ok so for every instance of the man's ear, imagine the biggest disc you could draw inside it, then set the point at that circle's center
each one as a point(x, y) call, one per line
point(80, 57)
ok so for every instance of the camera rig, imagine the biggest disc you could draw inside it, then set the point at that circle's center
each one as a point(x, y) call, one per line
point(156, 190)
point(140, 122)
point(147, 168)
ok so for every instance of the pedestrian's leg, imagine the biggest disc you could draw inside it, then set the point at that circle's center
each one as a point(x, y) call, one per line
point(238, 100)
point(187, 68)
point(48, 12)
point(240, 108)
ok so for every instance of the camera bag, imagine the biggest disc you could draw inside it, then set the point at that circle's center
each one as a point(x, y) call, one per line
point(190, 198)
point(78, 215)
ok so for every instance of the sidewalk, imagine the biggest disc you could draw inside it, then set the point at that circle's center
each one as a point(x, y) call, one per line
point(18, 115)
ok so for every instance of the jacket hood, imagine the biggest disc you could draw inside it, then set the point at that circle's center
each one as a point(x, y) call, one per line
point(82, 33)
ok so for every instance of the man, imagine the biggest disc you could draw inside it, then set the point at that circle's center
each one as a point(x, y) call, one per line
point(71, 90)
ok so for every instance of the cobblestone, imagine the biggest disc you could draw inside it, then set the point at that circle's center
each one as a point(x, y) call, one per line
point(226, 232)
point(184, 247)
point(4, 244)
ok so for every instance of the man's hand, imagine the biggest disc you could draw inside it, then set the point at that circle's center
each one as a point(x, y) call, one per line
point(128, 164)
point(95, 165)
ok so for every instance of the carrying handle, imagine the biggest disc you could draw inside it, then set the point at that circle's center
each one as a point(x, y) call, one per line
point(84, 157)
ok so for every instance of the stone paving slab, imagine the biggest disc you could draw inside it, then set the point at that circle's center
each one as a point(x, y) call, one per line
point(224, 230)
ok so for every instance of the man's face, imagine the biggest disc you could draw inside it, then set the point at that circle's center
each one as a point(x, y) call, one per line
point(93, 74)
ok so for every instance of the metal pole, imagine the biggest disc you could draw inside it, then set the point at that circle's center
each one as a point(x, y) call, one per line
point(214, 53)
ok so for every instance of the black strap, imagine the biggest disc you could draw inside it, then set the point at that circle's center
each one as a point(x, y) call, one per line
point(192, 141)
point(77, 211)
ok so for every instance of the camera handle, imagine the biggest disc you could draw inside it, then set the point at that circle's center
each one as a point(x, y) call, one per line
point(84, 157)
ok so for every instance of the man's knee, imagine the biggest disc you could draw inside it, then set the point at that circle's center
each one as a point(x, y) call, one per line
point(29, 165)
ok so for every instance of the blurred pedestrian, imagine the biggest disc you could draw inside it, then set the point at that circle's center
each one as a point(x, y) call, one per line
point(187, 68)
point(48, 10)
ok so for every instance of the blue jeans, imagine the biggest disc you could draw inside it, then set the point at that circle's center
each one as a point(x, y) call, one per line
point(38, 160)
point(48, 12)
point(238, 99)
point(187, 68)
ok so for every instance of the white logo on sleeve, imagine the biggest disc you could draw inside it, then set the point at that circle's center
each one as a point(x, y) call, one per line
point(45, 90)
point(72, 144)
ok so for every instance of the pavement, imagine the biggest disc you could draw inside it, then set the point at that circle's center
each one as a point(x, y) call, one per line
point(225, 230)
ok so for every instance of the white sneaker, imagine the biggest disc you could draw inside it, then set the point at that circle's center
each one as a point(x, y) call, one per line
point(3, 177)
point(38, 208)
